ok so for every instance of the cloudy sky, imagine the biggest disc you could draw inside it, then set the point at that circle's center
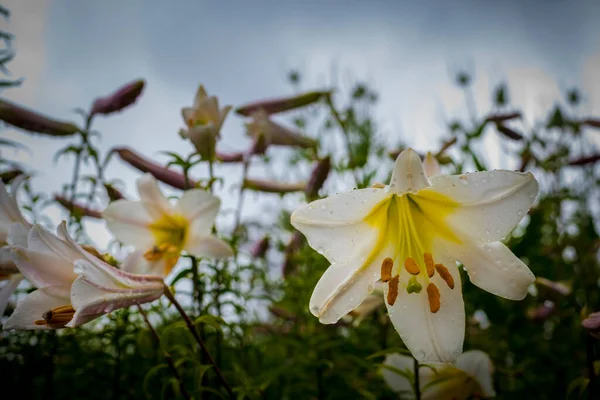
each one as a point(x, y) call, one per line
point(70, 52)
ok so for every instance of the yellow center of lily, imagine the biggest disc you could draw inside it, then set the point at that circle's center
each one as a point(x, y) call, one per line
point(407, 226)
point(170, 234)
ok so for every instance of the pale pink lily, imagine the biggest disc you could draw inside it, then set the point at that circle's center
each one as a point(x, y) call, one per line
point(409, 235)
point(10, 214)
point(204, 121)
point(73, 286)
point(162, 230)
point(470, 377)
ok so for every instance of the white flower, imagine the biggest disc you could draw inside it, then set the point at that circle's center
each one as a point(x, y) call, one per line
point(73, 286)
point(204, 121)
point(10, 215)
point(369, 305)
point(162, 230)
point(409, 234)
point(469, 378)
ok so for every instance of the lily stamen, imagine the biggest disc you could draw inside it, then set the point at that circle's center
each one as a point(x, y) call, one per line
point(433, 294)
point(445, 274)
point(58, 315)
point(411, 266)
point(429, 264)
point(386, 269)
point(393, 290)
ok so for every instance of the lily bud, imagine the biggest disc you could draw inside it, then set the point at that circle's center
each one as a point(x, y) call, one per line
point(8, 176)
point(542, 312)
point(113, 193)
point(586, 160)
point(550, 289)
point(230, 157)
point(262, 128)
point(317, 178)
point(274, 106)
point(593, 122)
point(446, 145)
point(163, 174)
point(273, 187)
point(77, 209)
point(592, 324)
point(509, 133)
point(31, 121)
point(499, 118)
point(260, 248)
point(125, 96)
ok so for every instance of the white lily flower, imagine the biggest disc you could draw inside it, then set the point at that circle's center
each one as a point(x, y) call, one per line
point(204, 121)
point(10, 215)
point(471, 377)
point(162, 230)
point(73, 286)
point(369, 305)
point(409, 234)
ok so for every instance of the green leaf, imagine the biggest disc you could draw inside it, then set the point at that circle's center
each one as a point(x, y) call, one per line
point(150, 378)
point(211, 320)
point(390, 350)
point(581, 383)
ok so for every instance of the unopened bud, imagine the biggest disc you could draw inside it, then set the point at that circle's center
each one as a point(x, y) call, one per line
point(31, 121)
point(550, 289)
point(274, 106)
point(230, 157)
point(499, 118)
point(585, 160)
point(260, 248)
point(593, 122)
point(273, 187)
point(592, 324)
point(163, 174)
point(76, 209)
point(113, 193)
point(317, 178)
point(508, 132)
point(266, 132)
point(542, 312)
point(125, 96)
point(9, 175)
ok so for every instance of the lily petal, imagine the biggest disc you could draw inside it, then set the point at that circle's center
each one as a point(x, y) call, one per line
point(344, 286)
point(33, 307)
point(128, 221)
point(200, 208)
point(7, 290)
point(431, 165)
point(101, 289)
point(17, 235)
point(208, 246)
point(490, 204)
point(431, 337)
point(495, 269)
point(408, 174)
point(136, 263)
point(152, 198)
point(477, 364)
point(335, 225)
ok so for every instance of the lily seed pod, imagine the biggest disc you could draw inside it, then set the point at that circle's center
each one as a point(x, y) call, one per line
point(317, 178)
point(274, 106)
point(163, 174)
point(273, 187)
point(32, 121)
point(125, 96)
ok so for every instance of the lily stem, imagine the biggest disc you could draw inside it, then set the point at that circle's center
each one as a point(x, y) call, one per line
point(238, 211)
point(166, 354)
point(589, 347)
point(200, 342)
point(417, 384)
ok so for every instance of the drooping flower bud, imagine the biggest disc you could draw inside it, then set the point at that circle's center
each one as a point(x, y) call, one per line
point(550, 289)
point(163, 174)
point(230, 157)
point(260, 248)
point(317, 178)
point(542, 312)
point(274, 106)
point(593, 122)
point(125, 96)
point(508, 132)
point(113, 193)
point(273, 187)
point(31, 121)
point(77, 209)
point(592, 324)
point(267, 132)
point(585, 160)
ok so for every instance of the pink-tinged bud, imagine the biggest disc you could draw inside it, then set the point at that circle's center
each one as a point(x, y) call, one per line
point(550, 289)
point(113, 193)
point(260, 248)
point(593, 122)
point(585, 160)
point(31, 121)
point(592, 324)
point(230, 157)
point(266, 132)
point(282, 313)
point(163, 174)
point(499, 118)
point(509, 133)
point(542, 312)
point(317, 178)
point(9, 175)
point(274, 106)
point(125, 96)
point(76, 209)
point(295, 243)
point(273, 187)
